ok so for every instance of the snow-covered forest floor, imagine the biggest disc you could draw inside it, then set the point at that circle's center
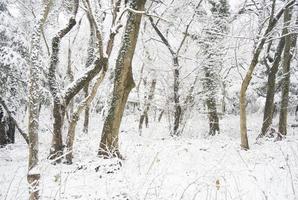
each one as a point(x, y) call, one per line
point(160, 167)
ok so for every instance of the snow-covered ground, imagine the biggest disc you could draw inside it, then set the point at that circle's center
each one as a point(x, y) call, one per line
point(160, 167)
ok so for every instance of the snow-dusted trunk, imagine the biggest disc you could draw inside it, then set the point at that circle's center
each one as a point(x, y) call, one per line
point(290, 44)
point(76, 114)
point(123, 82)
point(210, 88)
point(144, 115)
point(90, 59)
point(246, 81)
point(223, 100)
point(177, 106)
point(70, 78)
point(60, 105)
point(176, 96)
point(270, 93)
point(33, 175)
point(87, 111)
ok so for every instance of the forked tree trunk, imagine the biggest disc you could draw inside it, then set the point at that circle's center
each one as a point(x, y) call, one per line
point(59, 102)
point(177, 107)
point(123, 83)
point(104, 63)
point(76, 114)
point(33, 175)
point(290, 44)
point(269, 104)
point(144, 115)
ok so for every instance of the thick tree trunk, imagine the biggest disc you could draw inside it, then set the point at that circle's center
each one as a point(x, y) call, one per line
point(269, 104)
point(59, 102)
point(210, 88)
point(3, 137)
point(123, 83)
point(33, 175)
point(212, 116)
point(56, 150)
point(290, 44)
point(90, 59)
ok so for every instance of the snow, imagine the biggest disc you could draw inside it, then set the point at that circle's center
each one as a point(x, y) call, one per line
point(157, 166)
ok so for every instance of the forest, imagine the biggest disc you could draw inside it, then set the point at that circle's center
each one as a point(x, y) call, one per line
point(148, 100)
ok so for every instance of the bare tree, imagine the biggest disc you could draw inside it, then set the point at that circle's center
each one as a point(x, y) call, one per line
point(256, 53)
point(63, 98)
point(89, 98)
point(176, 72)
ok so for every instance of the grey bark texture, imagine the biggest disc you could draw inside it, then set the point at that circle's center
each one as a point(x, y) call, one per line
point(123, 83)
point(290, 44)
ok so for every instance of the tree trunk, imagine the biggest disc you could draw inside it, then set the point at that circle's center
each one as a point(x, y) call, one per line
point(59, 102)
point(56, 150)
point(90, 59)
point(71, 79)
point(177, 106)
point(212, 116)
point(33, 175)
point(75, 117)
point(290, 44)
point(87, 110)
point(3, 137)
point(269, 104)
point(210, 88)
point(123, 83)
point(245, 83)
point(147, 105)
point(160, 115)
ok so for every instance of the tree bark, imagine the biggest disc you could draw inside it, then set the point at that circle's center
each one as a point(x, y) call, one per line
point(290, 44)
point(90, 58)
point(87, 101)
point(59, 107)
point(210, 88)
point(177, 107)
point(33, 175)
point(245, 83)
point(87, 111)
point(123, 83)
point(269, 104)
point(75, 117)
